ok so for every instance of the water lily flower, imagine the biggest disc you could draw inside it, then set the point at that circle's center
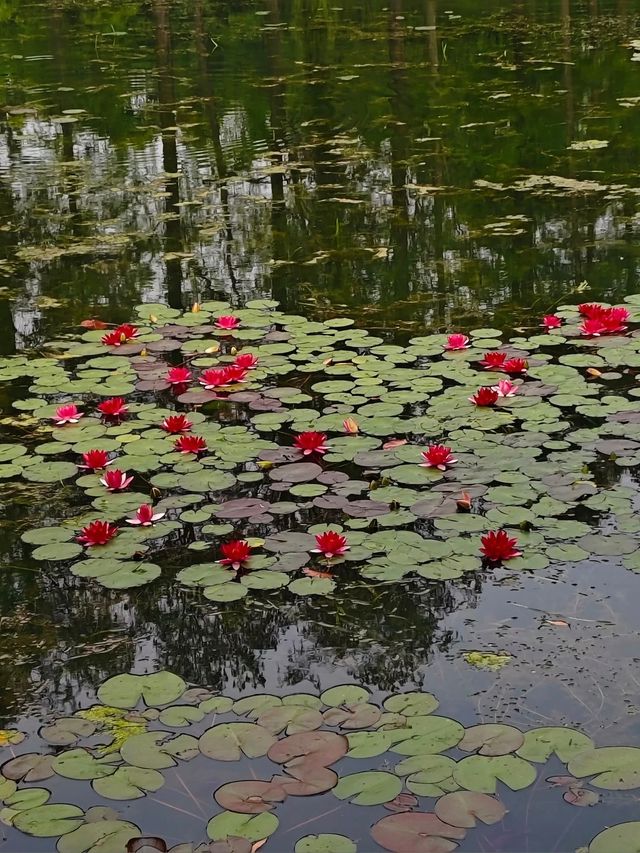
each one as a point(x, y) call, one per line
point(176, 424)
point(457, 342)
point(551, 321)
point(95, 460)
point(120, 335)
point(116, 480)
point(67, 414)
point(506, 388)
point(115, 407)
point(614, 320)
point(219, 377)
point(227, 322)
point(247, 360)
point(484, 396)
point(311, 442)
point(592, 328)
point(515, 366)
point(145, 516)
point(236, 373)
point(190, 444)
point(497, 546)
point(97, 533)
point(437, 456)
point(350, 426)
point(235, 554)
point(330, 544)
point(591, 310)
point(493, 360)
point(178, 376)
point(214, 377)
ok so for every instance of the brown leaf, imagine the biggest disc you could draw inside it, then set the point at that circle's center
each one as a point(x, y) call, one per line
point(395, 442)
point(402, 803)
point(593, 372)
point(94, 324)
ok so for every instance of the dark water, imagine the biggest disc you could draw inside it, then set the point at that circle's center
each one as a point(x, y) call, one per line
point(410, 164)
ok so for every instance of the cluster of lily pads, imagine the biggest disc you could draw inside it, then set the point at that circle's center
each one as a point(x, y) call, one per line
point(392, 420)
point(439, 780)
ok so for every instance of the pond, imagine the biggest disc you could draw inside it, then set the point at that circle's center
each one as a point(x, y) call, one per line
point(247, 222)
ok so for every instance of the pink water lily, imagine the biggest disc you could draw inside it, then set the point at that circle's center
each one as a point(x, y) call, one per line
point(95, 460)
point(246, 360)
point(457, 342)
point(145, 516)
point(178, 376)
point(506, 388)
point(437, 456)
point(67, 414)
point(228, 322)
point(116, 480)
point(550, 321)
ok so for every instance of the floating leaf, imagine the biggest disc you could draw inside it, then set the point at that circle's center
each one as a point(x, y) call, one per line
point(418, 832)
point(230, 741)
point(325, 843)
point(621, 838)
point(369, 788)
point(251, 827)
point(482, 773)
point(125, 691)
point(465, 808)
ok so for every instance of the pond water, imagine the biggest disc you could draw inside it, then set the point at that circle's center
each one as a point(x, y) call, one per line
point(420, 168)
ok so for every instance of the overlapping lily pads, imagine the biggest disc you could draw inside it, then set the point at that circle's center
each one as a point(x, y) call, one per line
point(297, 745)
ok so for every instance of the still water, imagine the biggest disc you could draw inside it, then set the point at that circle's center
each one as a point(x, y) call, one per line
point(418, 166)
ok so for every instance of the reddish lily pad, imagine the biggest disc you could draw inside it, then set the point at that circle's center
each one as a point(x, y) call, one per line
point(416, 832)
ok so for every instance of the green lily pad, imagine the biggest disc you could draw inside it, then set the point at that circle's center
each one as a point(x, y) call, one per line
point(482, 773)
point(369, 788)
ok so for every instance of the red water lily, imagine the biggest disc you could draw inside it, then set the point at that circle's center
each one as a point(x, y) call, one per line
point(592, 328)
point(67, 414)
point(614, 320)
point(228, 321)
point(350, 426)
point(330, 544)
point(601, 320)
point(497, 546)
point(97, 533)
point(116, 480)
point(235, 373)
point(176, 424)
point(247, 360)
point(190, 444)
point(219, 377)
point(235, 554)
point(145, 516)
point(515, 366)
point(437, 456)
point(592, 310)
point(120, 335)
point(115, 407)
point(311, 442)
point(95, 460)
point(493, 360)
point(457, 342)
point(506, 388)
point(178, 376)
point(550, 321)
point(484, 396)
